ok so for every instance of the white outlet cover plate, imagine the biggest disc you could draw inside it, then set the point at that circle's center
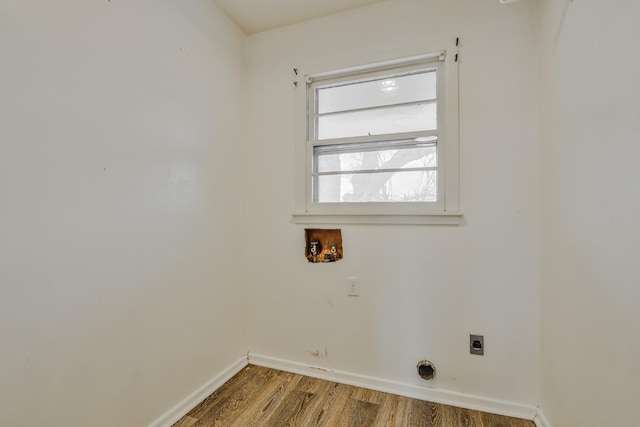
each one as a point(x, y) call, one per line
point(353, 287)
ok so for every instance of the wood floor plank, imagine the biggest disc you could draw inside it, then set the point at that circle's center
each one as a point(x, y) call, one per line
point(186, 421)
point(291, 409)
point(236, 383)
point(459, 417)
point(358, 413)
point(225, 411)
point(394, 412)
point(332, 404)
point(370, 396)
point(436, 414)
point(517, 422)
point(424, 414)
point(313, 385)
point(316, 410)
point(265, 408)
point(491, 420)
point(263, 402)
point(263, 397)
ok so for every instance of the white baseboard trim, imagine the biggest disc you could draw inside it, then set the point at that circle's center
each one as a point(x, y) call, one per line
point(188, 403)
point(447, 397)
point(541, 420)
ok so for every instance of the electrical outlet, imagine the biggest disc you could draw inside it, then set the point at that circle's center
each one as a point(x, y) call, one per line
point(353, 287)
point(476, 344)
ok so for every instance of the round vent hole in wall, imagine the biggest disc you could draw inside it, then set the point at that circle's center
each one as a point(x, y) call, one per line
point(426, 370)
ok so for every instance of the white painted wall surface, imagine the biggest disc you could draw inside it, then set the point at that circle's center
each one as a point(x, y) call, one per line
point(423, 289)
point(591, 205)
point(119, 135)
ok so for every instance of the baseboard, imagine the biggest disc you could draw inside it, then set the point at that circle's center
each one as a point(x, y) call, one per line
point(541, 420)
point(447, 397)
point(188, 403)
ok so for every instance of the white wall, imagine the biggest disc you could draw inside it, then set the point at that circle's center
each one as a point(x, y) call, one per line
point(119, 291)
point(591, 204)
point(423, 289)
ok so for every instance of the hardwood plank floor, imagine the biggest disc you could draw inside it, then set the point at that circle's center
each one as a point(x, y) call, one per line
point(264, 397)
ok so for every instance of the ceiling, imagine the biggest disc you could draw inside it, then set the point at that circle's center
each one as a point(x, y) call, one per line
point(253, 16)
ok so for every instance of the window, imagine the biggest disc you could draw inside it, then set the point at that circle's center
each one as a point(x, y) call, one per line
point(376, 141)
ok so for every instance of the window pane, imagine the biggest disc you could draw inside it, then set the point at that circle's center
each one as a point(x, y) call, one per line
point(378, 122)
point(412, 186)
point(374, 159)
point(380, 92)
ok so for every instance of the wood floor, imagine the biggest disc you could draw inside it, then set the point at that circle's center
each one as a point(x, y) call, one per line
point(259, 396)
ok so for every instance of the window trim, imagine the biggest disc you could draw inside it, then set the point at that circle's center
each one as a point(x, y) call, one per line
point(444, 211)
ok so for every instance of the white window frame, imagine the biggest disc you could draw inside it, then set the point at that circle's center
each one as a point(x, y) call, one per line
point(445, 210)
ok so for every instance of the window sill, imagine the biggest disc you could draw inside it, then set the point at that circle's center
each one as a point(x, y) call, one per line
point(435, 218)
